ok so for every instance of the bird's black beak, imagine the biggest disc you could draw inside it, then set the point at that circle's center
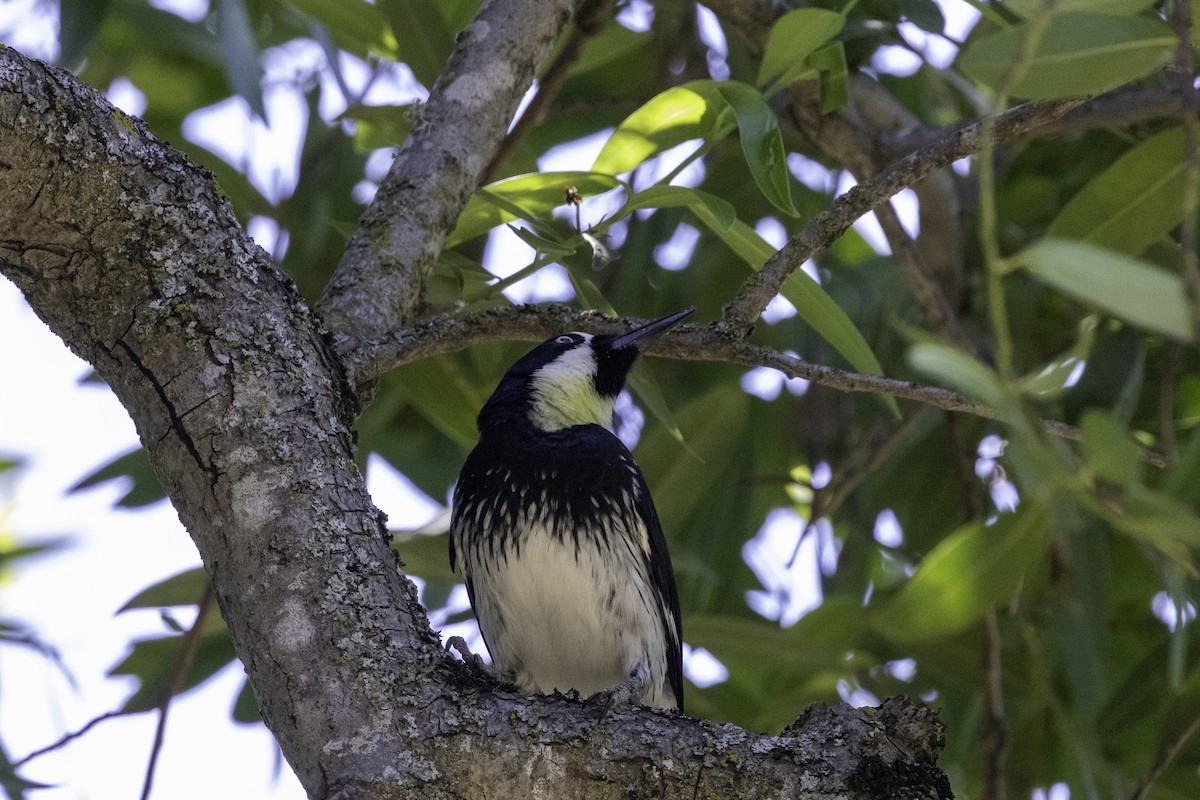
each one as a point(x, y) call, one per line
point(648, 331)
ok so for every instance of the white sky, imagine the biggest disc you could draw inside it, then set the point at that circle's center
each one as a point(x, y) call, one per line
point(66, 430)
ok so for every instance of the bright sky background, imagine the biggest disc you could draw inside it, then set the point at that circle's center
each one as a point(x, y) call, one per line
point(65, 430)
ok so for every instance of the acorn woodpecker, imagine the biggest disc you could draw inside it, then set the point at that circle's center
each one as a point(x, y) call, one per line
point(553, 526)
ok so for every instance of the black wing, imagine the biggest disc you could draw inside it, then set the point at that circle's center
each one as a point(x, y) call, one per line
point(663, 577)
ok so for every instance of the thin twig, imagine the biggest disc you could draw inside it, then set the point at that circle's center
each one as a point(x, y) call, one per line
point(995, 739)
point(67, 738)
point(847, 477)
point(1168, 382)
point(989, 240)
point(1186, 65)
point(995, 730)
point(930, 297)
point(751, 18)
point(1166, 758)
point(179, 672)
point(828, 226)
point(931, 265)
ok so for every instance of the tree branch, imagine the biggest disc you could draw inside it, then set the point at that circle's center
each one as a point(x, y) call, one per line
point(742, 312)
point(67, 738)
point(134, 257)
point(378, 284)
point(442, 335)
point(858, 137)
point(1118, 109)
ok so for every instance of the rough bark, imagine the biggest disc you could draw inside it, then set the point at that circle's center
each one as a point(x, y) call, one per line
point(135, 259)
point(378, 283)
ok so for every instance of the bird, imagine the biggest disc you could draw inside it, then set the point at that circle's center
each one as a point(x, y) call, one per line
point(558, 539)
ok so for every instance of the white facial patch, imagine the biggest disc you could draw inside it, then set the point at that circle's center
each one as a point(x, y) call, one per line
point(564, 391)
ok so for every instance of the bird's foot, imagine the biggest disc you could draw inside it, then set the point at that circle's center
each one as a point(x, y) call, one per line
point(627, 692)
point(457, 644)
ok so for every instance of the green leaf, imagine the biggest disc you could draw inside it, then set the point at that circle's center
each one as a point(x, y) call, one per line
point(427, 556)
point(818, 309)
point(134, 465)
point(1135, 202)
point(1080, 53)
point(1051, 380)
point(602, 254)
point(960, 371)
point(613, 43)
point(14, 785)
point(643, 385)
point(970, 572)
point(78, 23)
point(381, 126)
point(739, 237)
point(456, 278)
point(1160, 520)
point(1108, 450)
point(355, 25)
point(803, 663)
point(184, 589)
point(820, 640)
point(925, 14)
point(699, 109)
point(152, 662)
point(587, 291)
point(245, 708)
point(9, 551)
point(441, 391)
point(762, 143)
point(834, 74)
point(239, 52)
point(670, 118)
point(522, 197)
point(423, 41)
point(1183, 480)
point(549, 246)
point(1125, 287)
point(719, 213)
point(680, 484)
point(793, 38)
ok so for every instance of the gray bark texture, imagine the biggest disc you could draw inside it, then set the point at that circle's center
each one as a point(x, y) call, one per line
point(132, 255)
point(379, 281)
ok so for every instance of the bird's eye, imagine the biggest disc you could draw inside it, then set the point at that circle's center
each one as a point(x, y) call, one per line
point(565, 340)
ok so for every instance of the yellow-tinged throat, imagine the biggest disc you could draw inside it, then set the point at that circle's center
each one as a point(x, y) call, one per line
point(564, 392)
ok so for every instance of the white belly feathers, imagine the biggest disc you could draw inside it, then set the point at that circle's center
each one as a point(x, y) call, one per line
point(559, 619)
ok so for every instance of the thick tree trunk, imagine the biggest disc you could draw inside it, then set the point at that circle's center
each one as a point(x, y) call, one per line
point(134, 258)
